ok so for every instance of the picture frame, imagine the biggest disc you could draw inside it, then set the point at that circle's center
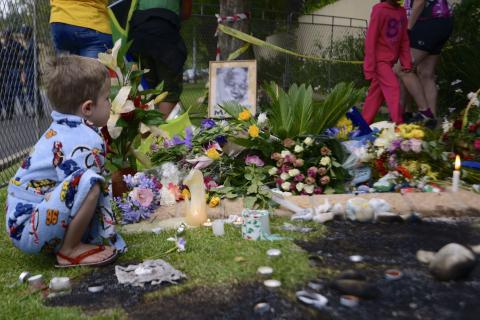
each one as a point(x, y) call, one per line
point(232, 81)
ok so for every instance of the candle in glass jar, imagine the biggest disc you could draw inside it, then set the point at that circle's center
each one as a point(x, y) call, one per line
point(456, 174)
point(218, 228)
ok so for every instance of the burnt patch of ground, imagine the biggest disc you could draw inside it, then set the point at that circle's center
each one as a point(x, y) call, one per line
point(113, 295)
point(236, 301)
point(384, 246)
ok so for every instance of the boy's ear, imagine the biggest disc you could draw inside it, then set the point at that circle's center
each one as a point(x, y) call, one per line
point(87, 108)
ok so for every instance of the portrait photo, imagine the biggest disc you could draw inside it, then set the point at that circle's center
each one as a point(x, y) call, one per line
point(232, 81)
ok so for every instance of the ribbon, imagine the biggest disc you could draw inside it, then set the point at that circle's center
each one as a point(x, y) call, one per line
point(221, 19)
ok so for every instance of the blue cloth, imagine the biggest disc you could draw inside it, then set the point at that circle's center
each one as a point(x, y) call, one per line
point(64, 164)
point(79, 40)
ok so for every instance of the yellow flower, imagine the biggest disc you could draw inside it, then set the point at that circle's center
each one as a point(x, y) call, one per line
point(185, 194)
point(214, 201)
point(244, 115)
point(417, 133)
point(213, 154)
point(253, 131)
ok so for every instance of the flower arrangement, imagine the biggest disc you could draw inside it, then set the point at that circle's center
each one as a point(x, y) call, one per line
point(306, 167)
point(406, 154)
point(142, 199)
point(132, 114)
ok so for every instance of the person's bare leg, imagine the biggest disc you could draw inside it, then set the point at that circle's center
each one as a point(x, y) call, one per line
point(72, 245)
point(426, 73)
point(412, 81)
point(166, 108)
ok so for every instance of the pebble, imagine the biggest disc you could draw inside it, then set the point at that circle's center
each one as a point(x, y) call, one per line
point(359, 288)
point(261, 308)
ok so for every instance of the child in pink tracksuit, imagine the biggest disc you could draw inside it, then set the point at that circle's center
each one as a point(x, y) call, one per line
point(386, 42)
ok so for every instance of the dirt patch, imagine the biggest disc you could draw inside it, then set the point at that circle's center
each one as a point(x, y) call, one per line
point(384, 246)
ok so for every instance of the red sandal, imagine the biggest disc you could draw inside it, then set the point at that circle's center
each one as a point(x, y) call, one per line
point(77, 261)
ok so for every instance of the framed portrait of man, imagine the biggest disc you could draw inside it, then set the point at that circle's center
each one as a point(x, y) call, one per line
point(232, 81)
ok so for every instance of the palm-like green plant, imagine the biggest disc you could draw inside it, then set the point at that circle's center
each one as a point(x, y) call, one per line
point(295, 113)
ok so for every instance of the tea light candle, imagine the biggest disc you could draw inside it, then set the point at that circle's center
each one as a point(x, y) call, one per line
point(23, 276)
point(36, 281)
point(356, 258)
point(265, 271)
point(207, 223)
point(96, 289)
point(272, 283)
point(349, 301)
point(238, 222)
point(273, 253)
point(393, 274)
point(456, 174)
point(60, 284)
point(218, 228)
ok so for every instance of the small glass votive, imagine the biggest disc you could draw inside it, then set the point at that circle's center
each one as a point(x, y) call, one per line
point(218, 228)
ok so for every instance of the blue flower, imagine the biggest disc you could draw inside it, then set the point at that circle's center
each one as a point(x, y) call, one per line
point(221, 140)
point(208, 123)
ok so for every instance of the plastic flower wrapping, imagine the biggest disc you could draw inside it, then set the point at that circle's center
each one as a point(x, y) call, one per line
point(142, 199)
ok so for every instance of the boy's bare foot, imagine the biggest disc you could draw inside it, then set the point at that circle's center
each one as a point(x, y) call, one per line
point(91, 259)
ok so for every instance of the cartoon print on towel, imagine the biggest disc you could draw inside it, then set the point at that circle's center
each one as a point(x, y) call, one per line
point(15, 224)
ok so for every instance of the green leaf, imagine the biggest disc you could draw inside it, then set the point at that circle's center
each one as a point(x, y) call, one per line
point(248, 176)
point(249, 202)
point(252, 189)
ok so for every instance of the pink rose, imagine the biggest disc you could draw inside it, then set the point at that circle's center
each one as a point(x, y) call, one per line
point(288, 143)
point(144, 196)
point(278, 181)
point(312, 171)
point(298, 163)
point(310, 180)
point(476, 144)
point(285, 168)
point(322, 171)
point(276, 156)
point(325, 151)
point(299, 178)
point(280, 162)
point(318, 190)
point(325, 180)
point(290, 158)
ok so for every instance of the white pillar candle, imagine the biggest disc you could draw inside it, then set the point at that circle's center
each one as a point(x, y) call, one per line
point(456, 175)
point(218, 228)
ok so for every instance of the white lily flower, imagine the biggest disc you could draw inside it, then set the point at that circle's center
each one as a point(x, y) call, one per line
point(110, 59)
point(118, 103)
point(113, 130)
point(144, 128)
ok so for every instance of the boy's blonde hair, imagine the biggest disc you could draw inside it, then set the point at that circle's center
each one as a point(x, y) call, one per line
point(72, 80)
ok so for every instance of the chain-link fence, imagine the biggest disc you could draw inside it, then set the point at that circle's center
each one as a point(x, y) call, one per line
point(24, 109)
point(312, 35)
point(26, 45)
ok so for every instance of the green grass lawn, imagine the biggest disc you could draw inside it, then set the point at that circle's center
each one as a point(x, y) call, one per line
point(209, 260)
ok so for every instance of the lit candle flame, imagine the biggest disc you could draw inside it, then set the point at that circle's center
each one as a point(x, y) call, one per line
point(458, 163)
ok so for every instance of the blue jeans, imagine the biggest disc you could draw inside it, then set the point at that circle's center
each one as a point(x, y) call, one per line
point(79, 40)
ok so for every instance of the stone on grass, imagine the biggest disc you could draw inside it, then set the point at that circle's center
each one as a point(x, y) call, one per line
point(451, 262)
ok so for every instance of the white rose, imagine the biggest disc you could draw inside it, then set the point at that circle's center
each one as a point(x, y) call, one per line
point(285, 176)
point(262, 119)
point(285, 153)
point(293, 172)
point(298, 149)
point(273, 171)
point(300, 186)
point(308, 188)
point(308, 141)
point(286, 186)
point(325, 161)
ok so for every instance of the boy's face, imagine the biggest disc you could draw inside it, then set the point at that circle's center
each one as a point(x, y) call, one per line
point(101, 109)
point(236, 86)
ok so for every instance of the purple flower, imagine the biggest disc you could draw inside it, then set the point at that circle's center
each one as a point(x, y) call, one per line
point(188, 137)
point(416, 145)
point(221, 140)
point(405, 145)
point(392, 161)
point(181, 242)
point(312, 171)
point(154, 147)
point(254, 160)
point(208, 123)
point(395, 145)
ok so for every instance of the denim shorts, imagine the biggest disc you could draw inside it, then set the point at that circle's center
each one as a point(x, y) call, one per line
point(79, 40)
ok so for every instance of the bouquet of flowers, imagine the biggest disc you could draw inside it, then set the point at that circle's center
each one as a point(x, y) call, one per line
point(132, 114)
point(142, 199)
point(405, 154)
point(306, 167)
